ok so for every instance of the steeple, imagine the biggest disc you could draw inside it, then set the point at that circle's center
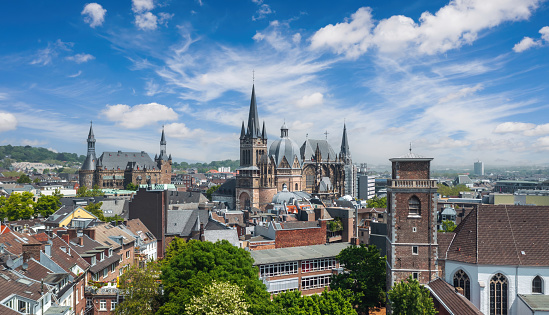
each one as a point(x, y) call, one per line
point(345, 151)
point(253, 120)
point(163, 155)
point(89, 163)
point(264, 132)
point(242, 132)
point(284, 131)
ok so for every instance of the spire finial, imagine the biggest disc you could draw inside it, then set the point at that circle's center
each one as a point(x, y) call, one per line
point(410, 147)
point(326, 133)
point(253, 76)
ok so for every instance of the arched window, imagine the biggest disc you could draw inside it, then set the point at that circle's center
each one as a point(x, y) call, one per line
point(498, 295)
point(296, 187)
point(461, 280)
point(537, 285)
point(414, 206)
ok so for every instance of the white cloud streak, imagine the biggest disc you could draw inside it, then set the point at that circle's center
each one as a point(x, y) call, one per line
point(81, 58)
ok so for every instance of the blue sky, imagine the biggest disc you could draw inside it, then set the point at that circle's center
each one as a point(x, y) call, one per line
point(461, 80)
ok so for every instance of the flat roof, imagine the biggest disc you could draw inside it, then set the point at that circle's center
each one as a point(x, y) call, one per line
point(536, 302)
point(277, 255)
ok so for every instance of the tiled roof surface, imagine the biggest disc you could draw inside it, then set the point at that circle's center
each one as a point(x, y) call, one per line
point(444, 240)
point(13, 284)
point(64, 259)
point(454, 302)
point(13, 242)
point(105, 233)
point(503, 235)
point(34, 271)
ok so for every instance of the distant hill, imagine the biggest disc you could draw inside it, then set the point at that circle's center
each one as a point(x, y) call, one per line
point(36, 155)
point(204, 167)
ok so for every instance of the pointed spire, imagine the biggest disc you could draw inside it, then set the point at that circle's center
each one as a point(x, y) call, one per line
point(163, 155)
point(242, 132)
point(163, 138)
point(345, 151)
point(253, 120)
point(91, 137)
point(264, 132)
point(91, 161)
point(170, 157)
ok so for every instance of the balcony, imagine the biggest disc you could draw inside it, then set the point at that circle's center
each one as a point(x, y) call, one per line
point(412, 183)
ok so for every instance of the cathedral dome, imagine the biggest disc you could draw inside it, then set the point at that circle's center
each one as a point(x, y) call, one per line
point(285, 148)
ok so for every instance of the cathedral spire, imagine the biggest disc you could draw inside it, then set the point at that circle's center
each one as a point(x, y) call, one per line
point(345, 151)
point(89, 163)
point(163, 155)
point(242, 132)
point(253, 120)
point(264, 132)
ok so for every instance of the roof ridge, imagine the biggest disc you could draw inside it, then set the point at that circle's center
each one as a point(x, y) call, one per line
point(512, 234)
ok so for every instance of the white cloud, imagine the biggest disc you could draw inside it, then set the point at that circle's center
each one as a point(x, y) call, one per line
point(314, 99)
point(138, 115)
point(447, 143)
point(461, 93)
point(3, 96)
point(7, 121)
point(139, 6)
point(296, 38)
point(146, 21)
point(545, 33)
point(94, 14)
point(76, 74)
point(81, 58)
point(454, 25)
point(525, 44)
point(262, 12)
point(164, 18)
point(298, 125)
point(45, 56)
point(33, 143)
point(513, 127)
point(538, 130)
point(181, 131)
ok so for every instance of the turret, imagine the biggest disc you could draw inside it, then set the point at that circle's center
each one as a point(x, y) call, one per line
point(163, 155)
point(91, 160)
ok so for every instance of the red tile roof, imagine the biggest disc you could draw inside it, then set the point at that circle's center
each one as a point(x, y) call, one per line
point(452, 301)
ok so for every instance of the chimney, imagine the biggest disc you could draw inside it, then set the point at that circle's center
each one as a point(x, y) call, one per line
point(72, 233)
point(81, 241)
point(31, 251)
point(66, 238)
point(90, 233)
point(47, 249)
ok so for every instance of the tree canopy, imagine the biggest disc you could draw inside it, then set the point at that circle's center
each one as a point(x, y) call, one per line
point(132, 186)
point(95, 209)
point(24, 179)
point(47, 205)
point(17, 206)
point(210, 191)
point(444, 190)
point(334, 302)
point(83, 191)
point(377, 202)
point(32, 154)
point(190, 267)
point(365, 276)
point(218, 298)
point(410, 297)
point(141, 290)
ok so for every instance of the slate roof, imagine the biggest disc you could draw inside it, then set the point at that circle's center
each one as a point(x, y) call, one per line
point(183, 222)
point(503, 235)
point(536, 302)
point(253, 120)
point(308, 150)
point(62, 214)
point(64, 259)
point(268, 256)
point(115, 160)
point(285, 148)
point(345, 143)
point(452, 301)
point(178, 197)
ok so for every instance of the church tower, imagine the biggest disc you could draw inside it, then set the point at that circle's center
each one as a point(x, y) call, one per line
point(345, 153)
point(411, 221)
point(86, 173)
point(164, 162)
point(253, 145)
point(350, 171)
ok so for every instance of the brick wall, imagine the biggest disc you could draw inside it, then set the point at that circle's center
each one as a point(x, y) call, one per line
point(301, 237)
point(411, 170)
point(149, 207)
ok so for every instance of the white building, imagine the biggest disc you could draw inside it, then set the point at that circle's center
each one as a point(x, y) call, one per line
point(479, 168)
point(499, 253)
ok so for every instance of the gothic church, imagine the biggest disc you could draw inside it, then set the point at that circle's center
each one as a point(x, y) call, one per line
point(314, 167)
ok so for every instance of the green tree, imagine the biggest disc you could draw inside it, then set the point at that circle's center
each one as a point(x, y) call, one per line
point(83, 191)
point(218, 298)
point(195, 264)
point(334, 302)
point(47, 205)
point(132, 186)
point(210, 191)
point(364, 276)
point(410, 297)
point(141, 290)
point(448, 226)
point(377, 202)
point(24, 179)
point(444, 190)
point(95, 209)
point(17, 206)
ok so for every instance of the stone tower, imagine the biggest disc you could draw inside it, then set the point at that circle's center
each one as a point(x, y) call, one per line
point(345, 153)
point(87, 171)
point(411, 227)
point(164, 162)
point(253, 145)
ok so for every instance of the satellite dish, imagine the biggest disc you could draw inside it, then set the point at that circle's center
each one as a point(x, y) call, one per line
point(25, 266)
point(9, 263)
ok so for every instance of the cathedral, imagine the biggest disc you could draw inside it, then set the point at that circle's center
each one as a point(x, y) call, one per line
point(116, 170)
point(314, 167)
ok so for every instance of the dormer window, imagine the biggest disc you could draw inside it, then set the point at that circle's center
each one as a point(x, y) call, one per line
point(110, 252)
point(102, 256)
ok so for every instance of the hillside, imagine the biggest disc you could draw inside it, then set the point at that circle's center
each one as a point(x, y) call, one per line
point(36, 155)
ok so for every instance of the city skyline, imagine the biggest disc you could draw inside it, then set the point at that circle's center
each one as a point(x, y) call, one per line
point(460, 80)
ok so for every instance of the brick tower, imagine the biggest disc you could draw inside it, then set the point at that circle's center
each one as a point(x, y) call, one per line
point(253, 144)
point(411, 226)
point(164, 162)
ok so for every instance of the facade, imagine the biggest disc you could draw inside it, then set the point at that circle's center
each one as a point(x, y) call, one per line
point(314, 167)
point(366, 187)
point(118, 169)
point(411, 221)
point(479, 168)
point(306, 268)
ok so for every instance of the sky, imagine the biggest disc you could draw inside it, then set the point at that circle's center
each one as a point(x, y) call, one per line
point(461, 81)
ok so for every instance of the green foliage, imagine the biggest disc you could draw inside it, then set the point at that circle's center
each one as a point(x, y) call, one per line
point(142, 290)
point(448, 226)
point(174, 248)
point(377, 202)
point(12, 174)
point(47, 205)
point(334, 302)
point(116, 218)
point(365, 276)
point(30, 154)
point(410, 297)
point(210, 191)
point(24, 179)
point(192, 266)
point(204, 167)
point(335, 225)
point(83, 191)
point(95, 209)
point(218, 298)
point(132, 186)
point(444, 190)
point(17, 206)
